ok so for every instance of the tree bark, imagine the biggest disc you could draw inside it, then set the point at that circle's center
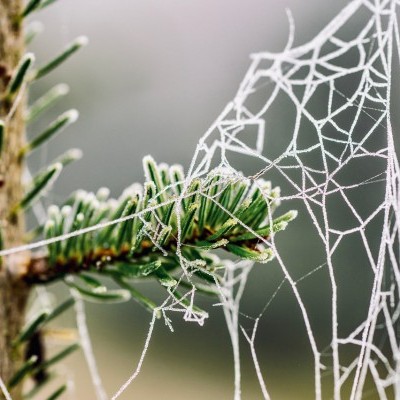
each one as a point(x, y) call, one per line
point(13, 292)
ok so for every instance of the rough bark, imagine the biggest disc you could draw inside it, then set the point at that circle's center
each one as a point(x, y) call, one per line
point(13, 292)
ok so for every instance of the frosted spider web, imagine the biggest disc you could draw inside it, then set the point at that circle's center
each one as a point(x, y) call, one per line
point(351, 132)
point(340, 147)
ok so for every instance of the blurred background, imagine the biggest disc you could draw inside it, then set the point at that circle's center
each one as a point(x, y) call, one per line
point(154, 77)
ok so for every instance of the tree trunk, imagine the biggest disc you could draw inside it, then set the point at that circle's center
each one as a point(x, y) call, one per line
point(13, 292)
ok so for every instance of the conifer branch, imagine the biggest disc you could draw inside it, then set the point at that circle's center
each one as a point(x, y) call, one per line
point(145, 227)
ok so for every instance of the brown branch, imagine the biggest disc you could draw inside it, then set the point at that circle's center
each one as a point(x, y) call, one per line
point(38, 269)
point(13, 292)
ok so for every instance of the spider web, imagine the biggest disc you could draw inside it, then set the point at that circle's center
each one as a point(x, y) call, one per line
point(339, 148)
point(340, 90)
